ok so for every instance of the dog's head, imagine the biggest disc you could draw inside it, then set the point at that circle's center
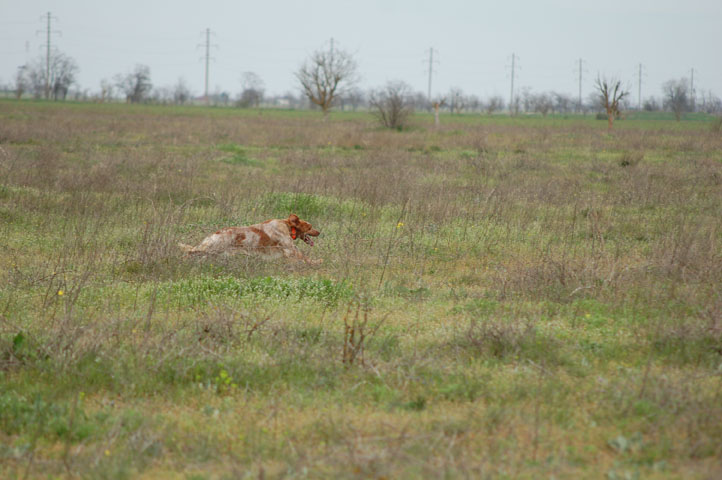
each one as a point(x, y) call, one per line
point(303, 229)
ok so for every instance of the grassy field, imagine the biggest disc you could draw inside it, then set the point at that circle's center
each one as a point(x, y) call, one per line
point(499, 298)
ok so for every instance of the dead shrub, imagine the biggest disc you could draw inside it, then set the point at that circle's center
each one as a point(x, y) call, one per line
point(357, 330)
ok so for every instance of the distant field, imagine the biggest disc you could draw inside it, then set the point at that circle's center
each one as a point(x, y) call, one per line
point(542, 299)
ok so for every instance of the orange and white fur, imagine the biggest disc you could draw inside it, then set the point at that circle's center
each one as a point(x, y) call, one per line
point(270, 239)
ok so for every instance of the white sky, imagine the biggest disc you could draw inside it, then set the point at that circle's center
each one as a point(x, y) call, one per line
point(473, 41)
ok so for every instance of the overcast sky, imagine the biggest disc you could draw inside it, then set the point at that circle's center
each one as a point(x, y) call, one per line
point(473, 41)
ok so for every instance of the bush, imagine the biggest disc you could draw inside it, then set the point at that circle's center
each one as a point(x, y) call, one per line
point(392, 105)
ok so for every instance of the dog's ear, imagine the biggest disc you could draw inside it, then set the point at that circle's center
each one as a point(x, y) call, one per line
point(294, 220)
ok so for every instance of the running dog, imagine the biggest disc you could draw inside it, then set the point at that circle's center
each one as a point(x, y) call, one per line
point(270, 239)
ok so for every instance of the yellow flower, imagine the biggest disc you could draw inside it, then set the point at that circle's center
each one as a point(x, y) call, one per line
point(400, 224)
point(60, 293)
point(588, 315)
point(107, 453)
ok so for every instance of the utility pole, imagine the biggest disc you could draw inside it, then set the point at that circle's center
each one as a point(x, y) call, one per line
point(579, 102)
point(431, 70)
point(47, 60)
point(207, 57)
point(48, 37)
point(511, 95)
point(691, 89)
point(639, 94)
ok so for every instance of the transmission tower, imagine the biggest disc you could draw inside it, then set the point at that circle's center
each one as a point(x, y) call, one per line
point(580, 71)
point(640, 74)
point(207, 57)
point(514, 67)
point(48, 36)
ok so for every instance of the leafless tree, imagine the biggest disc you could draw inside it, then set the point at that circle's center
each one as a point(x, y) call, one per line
point(106, 90)
point(457, 100)
point(392, 104)
point(676, 96)
point(325, 75)
point(493, 104)
point(710, 103)
point(651, 105)
point(181, 92)
point(563, 103)
point(161, 95)
point(420, 101)
point(63, 70)
point(527, 99)
point(542, 103)
point(355, 97)
point(252, 90)
point(609, 94)
point(21, 82)
point(136, 85)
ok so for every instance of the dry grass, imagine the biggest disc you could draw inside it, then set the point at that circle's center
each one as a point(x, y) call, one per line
point(544, 297)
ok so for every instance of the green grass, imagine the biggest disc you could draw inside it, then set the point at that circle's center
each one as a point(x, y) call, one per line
point(529, 297)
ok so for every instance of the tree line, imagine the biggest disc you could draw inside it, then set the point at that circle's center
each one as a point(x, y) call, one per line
point(328, 80)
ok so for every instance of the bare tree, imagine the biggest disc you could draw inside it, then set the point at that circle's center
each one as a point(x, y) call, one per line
point(106, 90)
point(355, 98)
point(136, 85)
point(181, 92)
point(493, 104)
point(392, 104)
point(252, 90)
point(161, 95)
point(527, 99)
point(326, 75)
point(63, 70)
point(711, 103)
point(21, 82)
point(676, 96)
point(474, 103)
point(563, 103)
point(541, 103)
point(609, 94)
point(420, 101)
point(457, 100)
